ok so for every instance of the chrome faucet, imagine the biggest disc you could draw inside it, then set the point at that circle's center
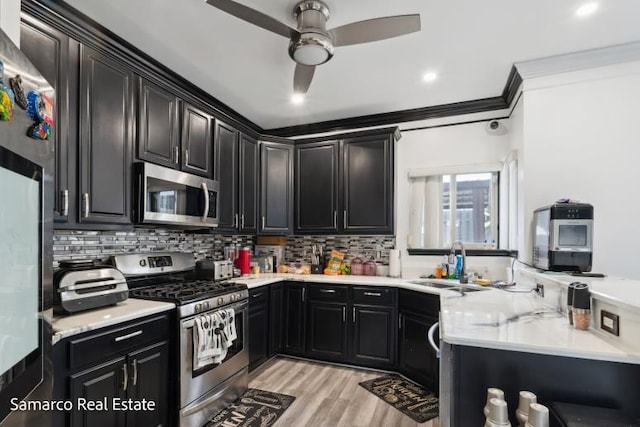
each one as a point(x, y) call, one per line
point(463, 276)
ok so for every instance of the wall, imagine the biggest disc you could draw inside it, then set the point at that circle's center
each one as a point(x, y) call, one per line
point(10, 19)
point(582, 141)
point(462, 144)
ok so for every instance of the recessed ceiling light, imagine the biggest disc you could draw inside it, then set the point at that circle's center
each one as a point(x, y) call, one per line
point(429, 77)
point(297, 98)
point(586, 9)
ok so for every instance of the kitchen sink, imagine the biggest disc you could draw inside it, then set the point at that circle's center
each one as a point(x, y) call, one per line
point(452, 286)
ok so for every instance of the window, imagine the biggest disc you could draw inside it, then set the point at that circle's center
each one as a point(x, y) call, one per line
point(454, 207)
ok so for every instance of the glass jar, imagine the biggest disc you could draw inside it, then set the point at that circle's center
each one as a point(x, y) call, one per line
point(370, 268)
point(357, 268)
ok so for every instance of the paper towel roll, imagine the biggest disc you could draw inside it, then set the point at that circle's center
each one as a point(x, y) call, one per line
point(395, 269)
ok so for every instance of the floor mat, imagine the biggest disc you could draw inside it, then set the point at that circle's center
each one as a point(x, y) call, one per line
point(255, 408)
point(413, 400)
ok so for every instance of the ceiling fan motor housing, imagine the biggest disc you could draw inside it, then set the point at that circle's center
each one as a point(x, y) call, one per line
point(314, 45)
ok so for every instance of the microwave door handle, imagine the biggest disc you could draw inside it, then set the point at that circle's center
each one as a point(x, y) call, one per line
point(206, 201)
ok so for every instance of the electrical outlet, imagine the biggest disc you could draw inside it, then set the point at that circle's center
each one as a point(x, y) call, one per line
point(540, 290)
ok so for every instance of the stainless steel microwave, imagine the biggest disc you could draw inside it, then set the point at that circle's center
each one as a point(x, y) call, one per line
point(167, 196)
point(563, 237)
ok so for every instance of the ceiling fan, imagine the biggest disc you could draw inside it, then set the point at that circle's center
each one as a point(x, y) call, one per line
point(311, 43)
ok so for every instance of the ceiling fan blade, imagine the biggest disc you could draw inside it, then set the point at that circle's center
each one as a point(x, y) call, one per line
point(373, 30)
point(254, 17)
point(302, 77)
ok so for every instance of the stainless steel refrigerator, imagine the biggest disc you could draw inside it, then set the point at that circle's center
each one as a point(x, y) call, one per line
point(26, 236)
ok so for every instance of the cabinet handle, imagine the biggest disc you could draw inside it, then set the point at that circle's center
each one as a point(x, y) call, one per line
point(236, 222)
point(176, 153)
point(257, 295)
point(85, 205)
point(64, 195)
point(128, 336)
point(263, 222)
point(135, 372)
point(125, 380)
point(186, 156)
point(303, 289)
point(354, 315)
point(432, 340)
point(373, 294)
point(335, 219)
point(344, 314)
point(242, 222)
point(344, 218)
point(328, 291)
point(399, 320)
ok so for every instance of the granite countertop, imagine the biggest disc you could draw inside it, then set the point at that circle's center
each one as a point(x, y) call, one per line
point(130, 309)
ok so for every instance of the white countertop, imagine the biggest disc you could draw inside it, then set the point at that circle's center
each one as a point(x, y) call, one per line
point(486, 318)
point(130, 309)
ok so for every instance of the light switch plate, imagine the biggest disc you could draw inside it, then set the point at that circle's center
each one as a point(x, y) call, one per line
point(610, 322)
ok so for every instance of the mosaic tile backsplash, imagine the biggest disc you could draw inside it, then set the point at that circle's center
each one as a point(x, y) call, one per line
point(74, 244)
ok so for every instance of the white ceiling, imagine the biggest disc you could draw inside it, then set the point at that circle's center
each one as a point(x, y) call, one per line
point(471, 44)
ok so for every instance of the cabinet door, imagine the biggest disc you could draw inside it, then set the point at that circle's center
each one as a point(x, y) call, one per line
point(149, 379)
point(258, 327)
point(418, 360)
point(367, 185)
point(106, 381)
point(106, 123)
point(226, 166)
point(327, 330)
point(48, 49)
point(158, 125)
point(294, 318)
point(276, 319)
point(276, 185)
point(197, 154)
point(316, 187)
point(248, 194)
point(374, 335)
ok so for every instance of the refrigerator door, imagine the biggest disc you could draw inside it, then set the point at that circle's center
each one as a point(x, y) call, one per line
point(26, 249)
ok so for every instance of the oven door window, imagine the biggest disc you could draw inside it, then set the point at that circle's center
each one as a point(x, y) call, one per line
point(174, 198)
point(572, 235)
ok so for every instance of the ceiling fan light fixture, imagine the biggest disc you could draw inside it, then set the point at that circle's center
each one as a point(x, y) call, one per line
point(311, 49)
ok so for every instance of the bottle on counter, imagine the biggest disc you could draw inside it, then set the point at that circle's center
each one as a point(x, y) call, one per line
point(439, 271)
point(581, 307)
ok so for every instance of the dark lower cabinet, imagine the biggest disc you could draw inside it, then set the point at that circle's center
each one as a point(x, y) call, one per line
point(258, 326)
point(106, 381)
point(294, 318)
point(374, 335)
point(276, 318)
point(327, 330)
point(418, 361)
point(132, 360)
point(106, 137)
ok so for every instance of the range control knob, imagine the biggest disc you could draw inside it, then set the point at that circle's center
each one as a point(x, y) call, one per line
point(220, 301)
point(198, 308)
point(233, 297)
point(206, 305)
point(239, 296)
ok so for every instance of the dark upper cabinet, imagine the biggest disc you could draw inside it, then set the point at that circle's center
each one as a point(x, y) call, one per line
point(226, 165)
point(367, 184)
point(248, 191)
point(294, 318)
point(48, 49)
point(276, 318)
point(105, 138)
point(345, 185)
point(158, 125)
point(149, 367)
point(327, 330)
point(197, 141)
point(276, 188)
point(105, 381)
point(316, 187)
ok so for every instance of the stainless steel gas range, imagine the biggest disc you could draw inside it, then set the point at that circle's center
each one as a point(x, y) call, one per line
point(204, 388)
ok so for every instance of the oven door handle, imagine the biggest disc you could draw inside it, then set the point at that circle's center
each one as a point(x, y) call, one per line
point(206, 201)
point(243, 306)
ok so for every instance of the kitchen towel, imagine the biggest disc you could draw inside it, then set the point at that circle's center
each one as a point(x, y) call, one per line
point(213, 335)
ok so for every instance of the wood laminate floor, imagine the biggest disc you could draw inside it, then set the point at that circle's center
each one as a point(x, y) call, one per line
point(328, 395)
